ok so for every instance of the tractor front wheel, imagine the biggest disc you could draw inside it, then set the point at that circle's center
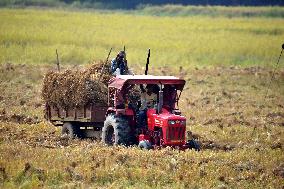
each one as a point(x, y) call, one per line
point(145, 144)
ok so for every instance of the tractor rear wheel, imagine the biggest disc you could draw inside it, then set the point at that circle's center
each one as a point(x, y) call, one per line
point(116, 131)
point(70, 130)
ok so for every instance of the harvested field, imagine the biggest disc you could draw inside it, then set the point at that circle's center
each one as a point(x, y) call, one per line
point(235, 113)
point(232, 107)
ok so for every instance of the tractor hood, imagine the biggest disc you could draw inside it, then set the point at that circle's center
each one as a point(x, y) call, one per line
point(166, 116)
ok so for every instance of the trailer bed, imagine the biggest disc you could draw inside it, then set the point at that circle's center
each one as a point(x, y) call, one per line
point(93, 113)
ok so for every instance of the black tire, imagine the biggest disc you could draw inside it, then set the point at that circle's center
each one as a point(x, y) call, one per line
point(192, 144)
point(145, 144)
point(70, 130)
point(116, 131)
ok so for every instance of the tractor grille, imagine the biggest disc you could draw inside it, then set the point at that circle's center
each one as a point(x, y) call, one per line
point(175, 133)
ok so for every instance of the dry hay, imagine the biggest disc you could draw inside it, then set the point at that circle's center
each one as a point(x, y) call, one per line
point(96, 68)
point(75, 88)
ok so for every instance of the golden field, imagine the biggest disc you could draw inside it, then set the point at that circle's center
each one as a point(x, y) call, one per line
point(233, 108)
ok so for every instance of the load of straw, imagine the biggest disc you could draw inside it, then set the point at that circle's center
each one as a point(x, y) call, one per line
point(76, 88)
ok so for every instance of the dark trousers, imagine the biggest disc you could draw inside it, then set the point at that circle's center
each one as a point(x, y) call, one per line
point(142, 116)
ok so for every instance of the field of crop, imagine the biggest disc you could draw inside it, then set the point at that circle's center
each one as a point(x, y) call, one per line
point(233, 109)
point(31, 37)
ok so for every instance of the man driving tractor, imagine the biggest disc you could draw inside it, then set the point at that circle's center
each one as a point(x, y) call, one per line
point(148, 100)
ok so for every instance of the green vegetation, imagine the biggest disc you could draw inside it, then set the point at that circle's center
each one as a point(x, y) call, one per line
point(31, 37)
point(214, 11)
point(23, 3)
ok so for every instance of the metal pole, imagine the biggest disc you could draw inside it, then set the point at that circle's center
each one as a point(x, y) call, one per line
point(104, 65)
point(58, 65)
point(272, 77)
point(148, 61)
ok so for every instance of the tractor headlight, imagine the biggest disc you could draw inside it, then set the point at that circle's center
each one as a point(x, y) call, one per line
point(183, 122)
point(171, 122)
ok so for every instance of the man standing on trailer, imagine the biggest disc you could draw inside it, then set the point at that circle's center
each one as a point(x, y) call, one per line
point(119, 64)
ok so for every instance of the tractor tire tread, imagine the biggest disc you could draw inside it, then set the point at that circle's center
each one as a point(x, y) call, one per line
point(121, 130)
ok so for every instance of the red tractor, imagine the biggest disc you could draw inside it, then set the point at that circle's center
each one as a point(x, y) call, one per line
point(164, 125)
point(116, 124)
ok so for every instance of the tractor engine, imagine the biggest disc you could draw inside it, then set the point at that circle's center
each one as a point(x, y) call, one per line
point(165, 126)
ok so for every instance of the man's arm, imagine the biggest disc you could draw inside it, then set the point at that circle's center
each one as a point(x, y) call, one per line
point(143, 101)
point(113, 65)
point(142, 88)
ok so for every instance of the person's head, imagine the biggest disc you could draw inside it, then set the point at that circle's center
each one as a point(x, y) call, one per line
point(120, 55)
point(149, 89)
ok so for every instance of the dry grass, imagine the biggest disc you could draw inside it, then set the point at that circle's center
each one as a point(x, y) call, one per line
point(59, 162)
point(241, 133)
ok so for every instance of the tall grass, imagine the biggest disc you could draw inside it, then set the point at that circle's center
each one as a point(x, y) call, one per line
point(31, 37)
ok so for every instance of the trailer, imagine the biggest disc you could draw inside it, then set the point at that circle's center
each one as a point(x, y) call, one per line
point(86, 121)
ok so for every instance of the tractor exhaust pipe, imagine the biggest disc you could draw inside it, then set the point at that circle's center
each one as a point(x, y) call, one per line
point(148, 61)
point(161, 100)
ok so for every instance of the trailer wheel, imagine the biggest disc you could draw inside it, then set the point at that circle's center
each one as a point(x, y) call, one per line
point(145, 144)
point(70, 130)
point(116, 131)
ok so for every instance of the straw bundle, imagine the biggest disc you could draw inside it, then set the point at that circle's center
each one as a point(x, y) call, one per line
point(76, 88)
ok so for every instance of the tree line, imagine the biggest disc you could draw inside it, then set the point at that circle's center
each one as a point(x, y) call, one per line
point(134, 4)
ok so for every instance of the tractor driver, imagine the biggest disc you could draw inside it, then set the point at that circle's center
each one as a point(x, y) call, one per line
point(169, 97)
point(119, 64)
point(148, 100)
